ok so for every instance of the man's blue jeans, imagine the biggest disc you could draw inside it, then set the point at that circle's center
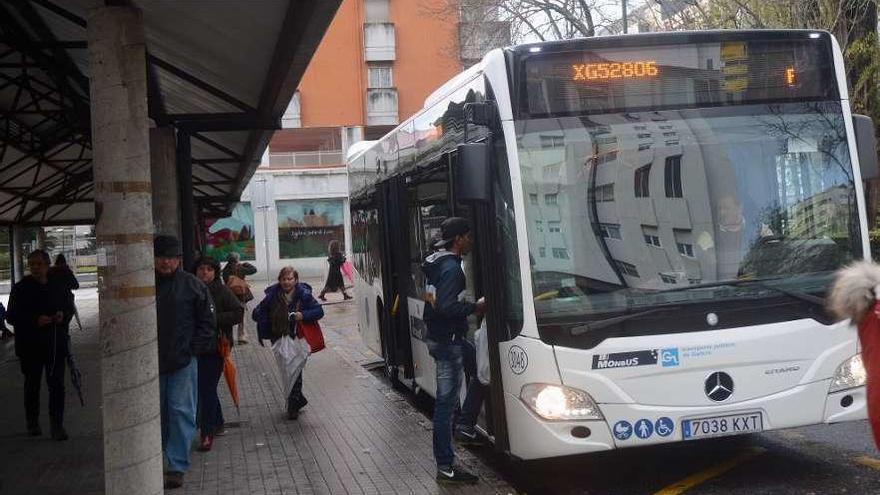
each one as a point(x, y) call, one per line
point(448, 358)
point(178, 393)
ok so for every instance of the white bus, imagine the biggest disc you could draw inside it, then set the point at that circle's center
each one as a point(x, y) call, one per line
point(657, 219)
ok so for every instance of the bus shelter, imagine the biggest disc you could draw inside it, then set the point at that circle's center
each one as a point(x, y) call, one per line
point(140, 117)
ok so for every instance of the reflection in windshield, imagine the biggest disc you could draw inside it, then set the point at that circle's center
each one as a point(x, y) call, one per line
point(622, 207)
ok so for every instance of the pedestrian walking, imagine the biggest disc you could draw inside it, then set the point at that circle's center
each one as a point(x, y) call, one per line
point(40, 309)
point(446, 319)
point(235, 275)
point(284, 304)
point(229, 311)
point(855, 295)
point(334, 281)
point(64, 274)
point(187, 329)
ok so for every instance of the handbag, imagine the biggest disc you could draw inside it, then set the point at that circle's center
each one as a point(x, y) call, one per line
point(311, 332)
point(238, 286)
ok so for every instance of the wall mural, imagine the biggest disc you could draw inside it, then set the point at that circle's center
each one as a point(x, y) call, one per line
point(233, 233)
point(306, 227)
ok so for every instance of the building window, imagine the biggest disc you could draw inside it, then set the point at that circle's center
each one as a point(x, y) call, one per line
point(552, 141)
point(610, 230)
point(644, 135)
point(380, 76)
point(606, 140)
point(644, 146)
point(627, 268)
point(695, 281)
point(551, 173)
point(642, 177)
point(376, 11)
point(668, 279)
point(553, 226)
point(673, 177)
point(560, 253)
point(672, 142)
point(652, 240)
point(550, 199)
point(685, 249)
point(542, 252)
point(605, 193)
point(539, 225)
point(533, 198)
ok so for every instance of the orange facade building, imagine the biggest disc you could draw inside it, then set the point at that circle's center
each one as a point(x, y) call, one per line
point(377, 63)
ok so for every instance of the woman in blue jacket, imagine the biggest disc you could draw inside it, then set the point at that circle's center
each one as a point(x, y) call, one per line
point(285, 303)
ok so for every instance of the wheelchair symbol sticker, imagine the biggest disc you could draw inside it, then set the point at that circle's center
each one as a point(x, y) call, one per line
point(664, 426)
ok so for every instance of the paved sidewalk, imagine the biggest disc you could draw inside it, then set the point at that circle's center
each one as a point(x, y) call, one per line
point(356, 436)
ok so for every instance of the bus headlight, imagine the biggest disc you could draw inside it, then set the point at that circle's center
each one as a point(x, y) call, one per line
point(556, 402)
point(850, 374)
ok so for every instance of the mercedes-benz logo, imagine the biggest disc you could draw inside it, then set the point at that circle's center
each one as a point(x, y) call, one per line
point(719, 386)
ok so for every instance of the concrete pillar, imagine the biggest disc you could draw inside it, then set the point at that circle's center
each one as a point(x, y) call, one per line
point(163, 164)
point(17, 255)
point(187, 204)
point(350, 135)
point(124, 227)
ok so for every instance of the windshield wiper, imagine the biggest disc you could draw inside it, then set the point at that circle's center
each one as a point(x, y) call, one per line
point(761, 282)
point(614, 320)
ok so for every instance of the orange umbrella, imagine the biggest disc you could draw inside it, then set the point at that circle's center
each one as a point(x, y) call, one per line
point(229, 371)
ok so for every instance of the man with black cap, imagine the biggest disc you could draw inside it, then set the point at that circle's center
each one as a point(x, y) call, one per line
point(445, 315)
point(187, 329)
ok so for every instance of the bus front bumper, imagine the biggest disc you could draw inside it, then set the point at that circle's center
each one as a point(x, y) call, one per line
point(532, 437)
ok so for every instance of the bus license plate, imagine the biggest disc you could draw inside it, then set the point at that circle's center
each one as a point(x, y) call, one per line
point(717, 426)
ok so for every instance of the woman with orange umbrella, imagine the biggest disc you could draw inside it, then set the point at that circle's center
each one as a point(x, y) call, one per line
point(229, 312)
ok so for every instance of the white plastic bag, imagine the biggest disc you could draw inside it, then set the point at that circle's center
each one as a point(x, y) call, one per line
point(481, 342)
point(291, 355)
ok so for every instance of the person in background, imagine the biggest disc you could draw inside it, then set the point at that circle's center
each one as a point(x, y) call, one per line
point(5, 332)
point(187, 328)
point(446, 318)
point(229, 312)
point(62, 272)
point(40, 310)
point(288, 298)
point(335, 282)
point(236, 269)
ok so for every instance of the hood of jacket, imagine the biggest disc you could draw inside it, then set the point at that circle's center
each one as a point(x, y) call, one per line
point(433, 264)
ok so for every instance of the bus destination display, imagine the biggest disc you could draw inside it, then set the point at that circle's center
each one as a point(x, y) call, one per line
point(677, 76)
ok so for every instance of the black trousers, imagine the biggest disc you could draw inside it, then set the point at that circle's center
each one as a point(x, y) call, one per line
point(32, 366)
point(210, 412)
point(296, 400)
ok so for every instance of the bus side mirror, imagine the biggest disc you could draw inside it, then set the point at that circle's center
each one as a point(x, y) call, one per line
point(472, 173)
point(866, 144)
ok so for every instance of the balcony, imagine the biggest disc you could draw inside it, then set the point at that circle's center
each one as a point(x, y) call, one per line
point(382, 106)
point(306, 159)
point(379, 44)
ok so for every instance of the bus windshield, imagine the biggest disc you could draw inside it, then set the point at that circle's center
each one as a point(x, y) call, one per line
point(633, 210)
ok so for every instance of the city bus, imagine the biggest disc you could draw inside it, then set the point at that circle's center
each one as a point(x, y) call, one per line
point(657, 219)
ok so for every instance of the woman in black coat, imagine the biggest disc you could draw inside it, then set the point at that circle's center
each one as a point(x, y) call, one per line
point(334, 275)
point(229, 312)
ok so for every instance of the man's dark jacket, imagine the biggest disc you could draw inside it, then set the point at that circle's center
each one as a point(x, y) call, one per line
point(29, 300)
point(187, 323)
point(445, 313)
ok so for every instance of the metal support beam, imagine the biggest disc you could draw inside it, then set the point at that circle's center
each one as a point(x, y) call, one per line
point(185, 181)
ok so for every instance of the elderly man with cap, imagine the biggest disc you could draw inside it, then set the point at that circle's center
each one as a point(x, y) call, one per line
point(187, 329)
point(445, 315)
